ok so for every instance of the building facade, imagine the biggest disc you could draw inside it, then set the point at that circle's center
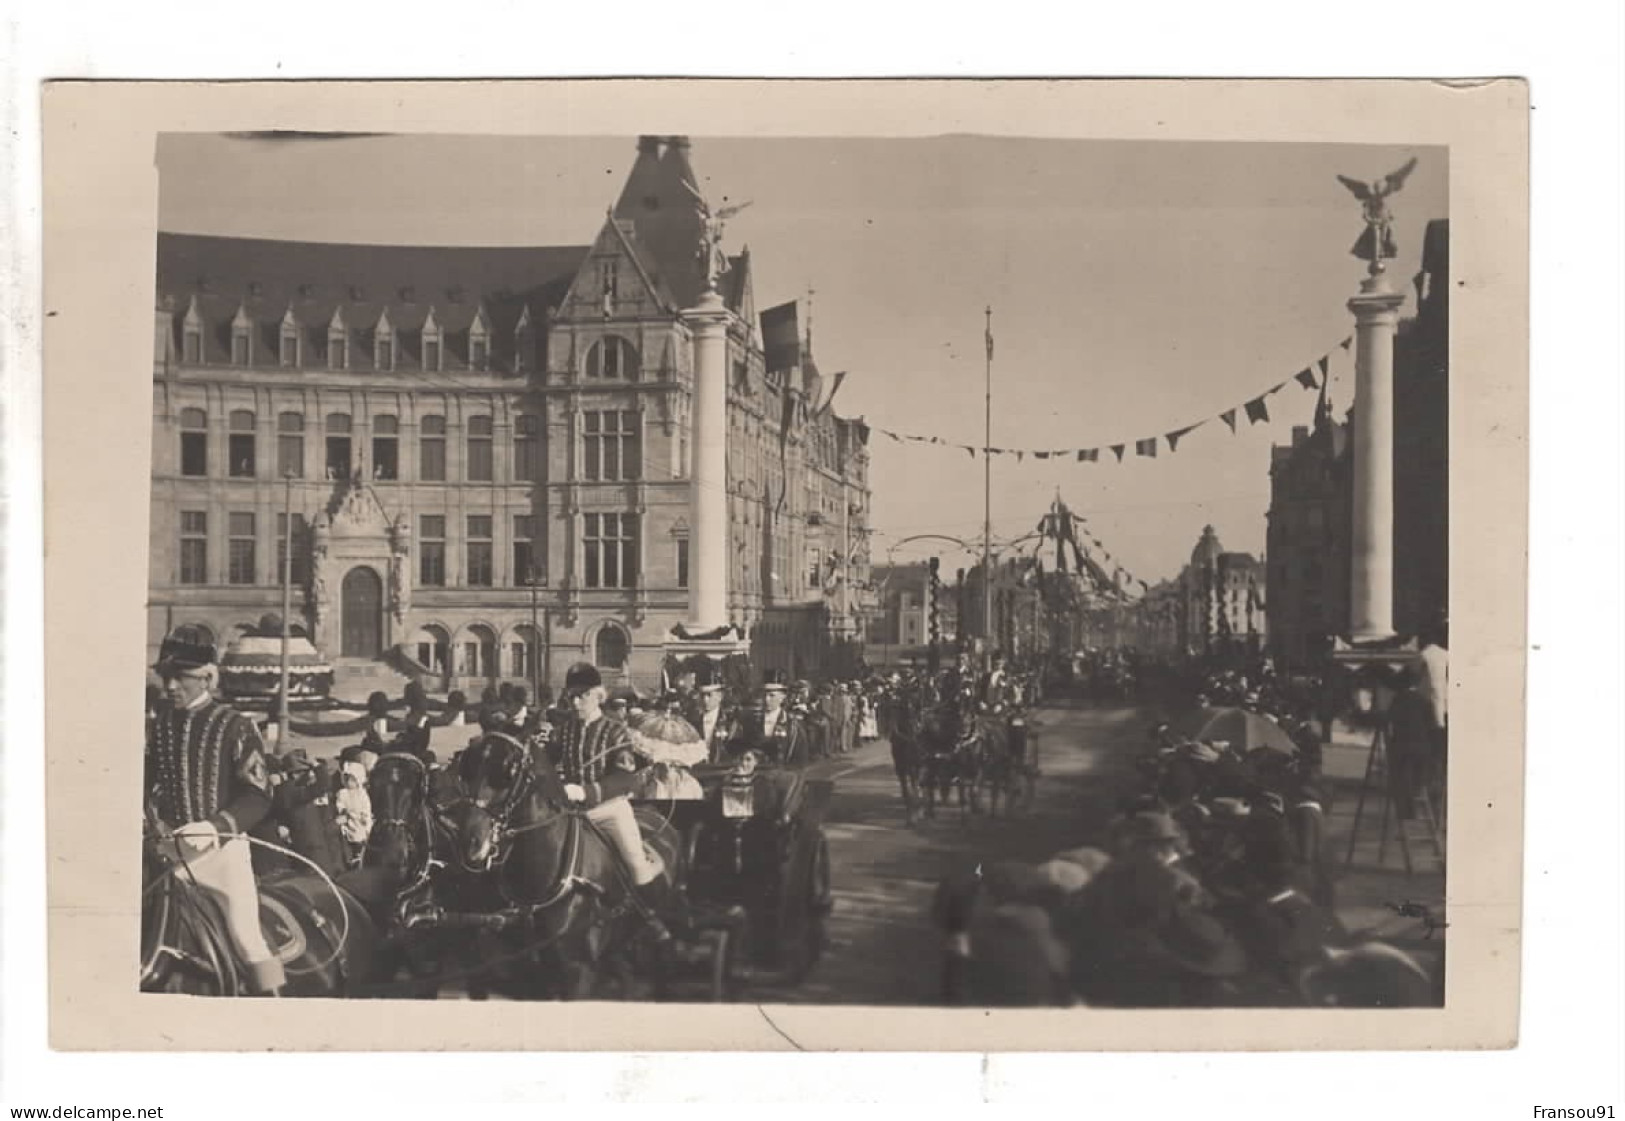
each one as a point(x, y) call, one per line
point(485, 451)
point(1224, 605)
point(1311, 490)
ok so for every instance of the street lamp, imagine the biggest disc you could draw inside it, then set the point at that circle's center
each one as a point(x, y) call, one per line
point(287, 607)
point(536, 579)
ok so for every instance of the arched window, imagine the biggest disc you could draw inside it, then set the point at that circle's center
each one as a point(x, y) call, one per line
point(612, 359)
point(432, 449)
point(194, 442)
point(524, 652)
point(481, 468)
point(240, 445)
point(386, 460)
point(433, 648)
point(338, 446)
point(479, 653)
point(610, 648)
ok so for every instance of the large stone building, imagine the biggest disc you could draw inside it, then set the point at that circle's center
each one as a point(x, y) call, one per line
point(1223, 599)
point(486, 450)
point(1311, 489)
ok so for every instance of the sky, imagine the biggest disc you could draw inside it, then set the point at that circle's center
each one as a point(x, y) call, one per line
point(1136, 287)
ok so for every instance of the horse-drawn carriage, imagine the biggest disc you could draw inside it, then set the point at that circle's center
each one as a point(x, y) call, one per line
point(756, 871)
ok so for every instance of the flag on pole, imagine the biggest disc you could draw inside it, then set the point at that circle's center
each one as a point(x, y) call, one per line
point(1257, 410)
point(990, 341)
point(1229, 418)
point(1306, 378)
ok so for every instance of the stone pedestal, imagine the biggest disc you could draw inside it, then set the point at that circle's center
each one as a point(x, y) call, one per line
point(1371, 598)
point(708, 631)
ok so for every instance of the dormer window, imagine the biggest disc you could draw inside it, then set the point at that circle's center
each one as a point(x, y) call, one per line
point(431, 343)
point(192, 336)
point(242, 338)
point(290, 341)
point(521, 340)
point(383, 344)
point(338, 344)
point(479, 349)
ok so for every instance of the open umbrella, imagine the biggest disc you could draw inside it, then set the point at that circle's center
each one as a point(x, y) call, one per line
point(674, 746)
point(1244, 731)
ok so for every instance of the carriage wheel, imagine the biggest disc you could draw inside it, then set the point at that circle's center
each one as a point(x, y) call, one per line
point(823, 893)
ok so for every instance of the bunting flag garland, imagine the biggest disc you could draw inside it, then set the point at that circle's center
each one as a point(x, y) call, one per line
point(1173, 438)
point(1257, 411)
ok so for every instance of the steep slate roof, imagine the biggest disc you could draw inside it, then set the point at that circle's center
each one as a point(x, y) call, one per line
point(662, 201)
point(267, 277)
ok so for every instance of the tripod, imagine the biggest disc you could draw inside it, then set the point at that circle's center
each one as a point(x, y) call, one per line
point(1376, 783)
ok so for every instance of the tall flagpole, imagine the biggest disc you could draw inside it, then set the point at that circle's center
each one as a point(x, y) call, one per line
point(987, 497)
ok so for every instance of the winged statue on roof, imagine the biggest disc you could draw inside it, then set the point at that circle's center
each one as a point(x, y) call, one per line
point(1376, 244)
point(713, 259)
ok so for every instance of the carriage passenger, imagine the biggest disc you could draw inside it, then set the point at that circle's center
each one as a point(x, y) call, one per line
point(208, 785)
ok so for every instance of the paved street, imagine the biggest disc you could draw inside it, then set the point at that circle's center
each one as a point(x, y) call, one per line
point(882, 947)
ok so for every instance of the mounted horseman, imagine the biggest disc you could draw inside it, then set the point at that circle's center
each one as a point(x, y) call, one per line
point(208, 786)
point(598, 764)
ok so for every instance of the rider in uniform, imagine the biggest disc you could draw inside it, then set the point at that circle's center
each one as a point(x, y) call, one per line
point(598, 764)
point(208, 785)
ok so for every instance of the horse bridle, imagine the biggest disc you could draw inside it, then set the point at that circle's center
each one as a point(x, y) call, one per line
point(500, 807)
point(421, 784)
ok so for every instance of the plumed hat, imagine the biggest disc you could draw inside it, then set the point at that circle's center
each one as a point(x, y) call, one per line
point(186, 648)
point(581, 677)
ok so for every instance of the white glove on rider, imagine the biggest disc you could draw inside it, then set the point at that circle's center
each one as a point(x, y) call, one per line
point(574, 792)
point(197, 838)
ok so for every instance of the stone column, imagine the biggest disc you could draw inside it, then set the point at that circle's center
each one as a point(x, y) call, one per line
point(1371, 598)
point(708, 479)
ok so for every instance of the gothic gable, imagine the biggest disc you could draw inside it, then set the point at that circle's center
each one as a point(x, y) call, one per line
point(616, 281)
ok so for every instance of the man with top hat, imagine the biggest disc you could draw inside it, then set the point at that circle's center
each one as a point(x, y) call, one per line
point(208, 786)
point(775, 732)
point(599, 766)
point(714, 723)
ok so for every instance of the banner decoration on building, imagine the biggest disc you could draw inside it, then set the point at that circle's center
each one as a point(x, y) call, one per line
point(1312, 376)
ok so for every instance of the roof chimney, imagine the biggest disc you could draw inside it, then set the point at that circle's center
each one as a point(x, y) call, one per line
point(678, 142)
point(1299, 434)
point(649, 145)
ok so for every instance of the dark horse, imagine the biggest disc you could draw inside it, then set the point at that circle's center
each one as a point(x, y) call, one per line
point(900, 720)
point(321, 933)
point(565, 912)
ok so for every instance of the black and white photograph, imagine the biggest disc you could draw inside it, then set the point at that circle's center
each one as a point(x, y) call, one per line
point(954, 571)
point(790, 566)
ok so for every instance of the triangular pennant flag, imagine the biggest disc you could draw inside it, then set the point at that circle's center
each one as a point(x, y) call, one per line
point(893, 435)
point(1229, 418)
point(971, 452)
point(1175, 437)
point(1146, 447)
point(1019, 456)
point(1325, 364)
point(1117, 450)
point(1346, 343)
point(1306, 378)
point(1257, 410)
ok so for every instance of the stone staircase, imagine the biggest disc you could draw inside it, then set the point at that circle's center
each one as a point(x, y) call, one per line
point(354, 679)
